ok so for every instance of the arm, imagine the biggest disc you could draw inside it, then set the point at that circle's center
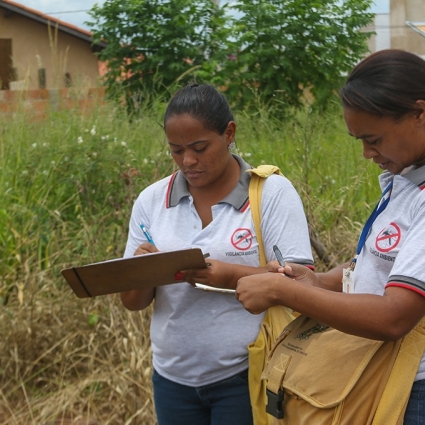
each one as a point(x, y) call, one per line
point(331, 280)
point(141, 298)
point(137, 299)
point(219, 274)
point(387, 317)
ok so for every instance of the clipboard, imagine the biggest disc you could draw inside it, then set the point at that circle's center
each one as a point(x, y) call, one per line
point(126, 274)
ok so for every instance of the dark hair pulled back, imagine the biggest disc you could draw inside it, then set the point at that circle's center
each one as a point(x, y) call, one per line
point(202, 102)
point(386, 83)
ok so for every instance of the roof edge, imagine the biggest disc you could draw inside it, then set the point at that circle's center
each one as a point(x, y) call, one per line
point(49, 20)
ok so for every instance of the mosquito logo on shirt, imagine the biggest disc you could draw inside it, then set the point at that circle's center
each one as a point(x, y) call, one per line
point(388, 238)
point(242, 239)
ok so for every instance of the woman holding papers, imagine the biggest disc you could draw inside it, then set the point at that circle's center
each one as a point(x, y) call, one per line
point(380, 294)
point(199, 338)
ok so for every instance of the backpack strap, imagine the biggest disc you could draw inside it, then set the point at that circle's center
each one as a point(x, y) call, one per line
point(258, 176)
point(393, 403)
point(276, 317)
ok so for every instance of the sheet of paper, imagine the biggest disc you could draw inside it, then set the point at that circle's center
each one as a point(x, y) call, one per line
point(213, 289)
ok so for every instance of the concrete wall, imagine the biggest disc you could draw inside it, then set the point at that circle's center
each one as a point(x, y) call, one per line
point(382, 39)
point(393, 32)
point(402, 36)
point(39, 103)
point(58, 53)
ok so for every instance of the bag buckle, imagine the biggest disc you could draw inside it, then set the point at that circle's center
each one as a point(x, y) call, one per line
point(274, 405)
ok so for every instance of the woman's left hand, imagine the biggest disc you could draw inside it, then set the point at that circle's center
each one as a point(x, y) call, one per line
point(260, 292)
point(217, 274)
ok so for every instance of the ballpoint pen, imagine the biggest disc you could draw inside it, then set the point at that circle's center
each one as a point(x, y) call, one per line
point(279, 257)
point(146, 233)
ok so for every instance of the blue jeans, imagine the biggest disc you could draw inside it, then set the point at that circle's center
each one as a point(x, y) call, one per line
point(415, 411)
point(222, 403)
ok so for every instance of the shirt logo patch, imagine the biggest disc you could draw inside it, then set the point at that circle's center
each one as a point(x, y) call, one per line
point(242, 239)
point(388, 238)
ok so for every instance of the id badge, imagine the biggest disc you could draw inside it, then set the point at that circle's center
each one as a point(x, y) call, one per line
point(347, 281)
point(348, 277)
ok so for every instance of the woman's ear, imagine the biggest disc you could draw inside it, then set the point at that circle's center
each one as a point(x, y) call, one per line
point(230, 131)
point(420, 112)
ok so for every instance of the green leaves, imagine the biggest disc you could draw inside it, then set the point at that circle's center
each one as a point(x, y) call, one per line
point(294, 45)
point(262, 51)
point(151, 38)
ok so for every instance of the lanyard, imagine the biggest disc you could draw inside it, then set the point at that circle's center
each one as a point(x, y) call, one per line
point(382, 204)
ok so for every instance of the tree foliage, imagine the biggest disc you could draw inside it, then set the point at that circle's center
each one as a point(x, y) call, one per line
point(153, 43)
point(272, 50)
point(287, 46)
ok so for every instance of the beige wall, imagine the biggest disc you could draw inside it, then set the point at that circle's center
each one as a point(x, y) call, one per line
point(402, 36)
point(58, 54)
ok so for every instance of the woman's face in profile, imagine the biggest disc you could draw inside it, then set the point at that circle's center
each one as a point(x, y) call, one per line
point(201, 154)
point(393, 144)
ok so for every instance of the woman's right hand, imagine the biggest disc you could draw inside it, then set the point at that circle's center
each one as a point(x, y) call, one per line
point(295, 271)
point(145, 248)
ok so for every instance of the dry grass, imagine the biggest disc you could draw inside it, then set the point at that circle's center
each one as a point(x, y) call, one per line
point(65, 360)
point(68, 185)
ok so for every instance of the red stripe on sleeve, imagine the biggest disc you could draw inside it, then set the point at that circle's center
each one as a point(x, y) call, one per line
point(405, 286)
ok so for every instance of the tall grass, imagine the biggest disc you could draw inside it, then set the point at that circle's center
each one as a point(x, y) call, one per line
point(68, 183)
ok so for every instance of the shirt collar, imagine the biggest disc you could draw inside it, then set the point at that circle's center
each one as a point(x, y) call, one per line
point(238, 197)
point(413, 174)
point(416, 176)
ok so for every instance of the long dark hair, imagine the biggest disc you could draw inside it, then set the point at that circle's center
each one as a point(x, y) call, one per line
point(386, 83)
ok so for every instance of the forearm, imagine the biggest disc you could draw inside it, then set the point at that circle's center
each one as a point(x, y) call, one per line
point(137, 299)
point(371, 316)
point(238, 271)
point(331, 280)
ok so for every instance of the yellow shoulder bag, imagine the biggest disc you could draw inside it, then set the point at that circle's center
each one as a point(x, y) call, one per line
point(275, 319)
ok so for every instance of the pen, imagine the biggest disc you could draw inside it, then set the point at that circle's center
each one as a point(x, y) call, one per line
point(146, 233)
point(278, 254)
point(206, 256)
point(279, 257)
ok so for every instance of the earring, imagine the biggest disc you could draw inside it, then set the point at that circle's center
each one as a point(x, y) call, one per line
point(231, 146)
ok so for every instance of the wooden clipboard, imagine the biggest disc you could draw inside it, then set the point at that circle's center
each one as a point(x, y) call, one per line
point(126, 274)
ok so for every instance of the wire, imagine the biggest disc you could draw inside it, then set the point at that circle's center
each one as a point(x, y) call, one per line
point(66, 11)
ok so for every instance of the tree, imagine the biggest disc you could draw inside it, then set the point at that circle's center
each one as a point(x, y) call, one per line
point(153, 43)
point(283, 47)
point(272, 50)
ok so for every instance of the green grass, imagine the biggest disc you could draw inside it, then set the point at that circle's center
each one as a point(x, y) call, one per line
point(68, 183)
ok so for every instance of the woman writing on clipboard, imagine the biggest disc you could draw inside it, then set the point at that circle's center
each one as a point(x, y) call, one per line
point(199, 338)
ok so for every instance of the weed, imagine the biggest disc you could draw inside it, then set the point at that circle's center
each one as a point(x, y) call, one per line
point(68, 184)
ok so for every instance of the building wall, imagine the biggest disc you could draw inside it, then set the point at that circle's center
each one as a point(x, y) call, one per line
point(393, 32)
point(38, 104)
point(33, 47)
point(402, 36)
point(382, 37)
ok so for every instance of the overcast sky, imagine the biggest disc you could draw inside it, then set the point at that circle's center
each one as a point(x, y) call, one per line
point(75, 11)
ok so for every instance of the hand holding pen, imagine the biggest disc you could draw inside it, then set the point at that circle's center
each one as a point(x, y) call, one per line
point(146, 247)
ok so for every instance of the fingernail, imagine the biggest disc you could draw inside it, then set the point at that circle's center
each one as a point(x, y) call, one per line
point(178, 276)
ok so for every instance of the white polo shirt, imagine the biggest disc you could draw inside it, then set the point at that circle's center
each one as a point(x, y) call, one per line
point(393, 254)
point(199, 337)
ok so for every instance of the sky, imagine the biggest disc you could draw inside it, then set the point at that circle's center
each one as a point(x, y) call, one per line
point(75, 11)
